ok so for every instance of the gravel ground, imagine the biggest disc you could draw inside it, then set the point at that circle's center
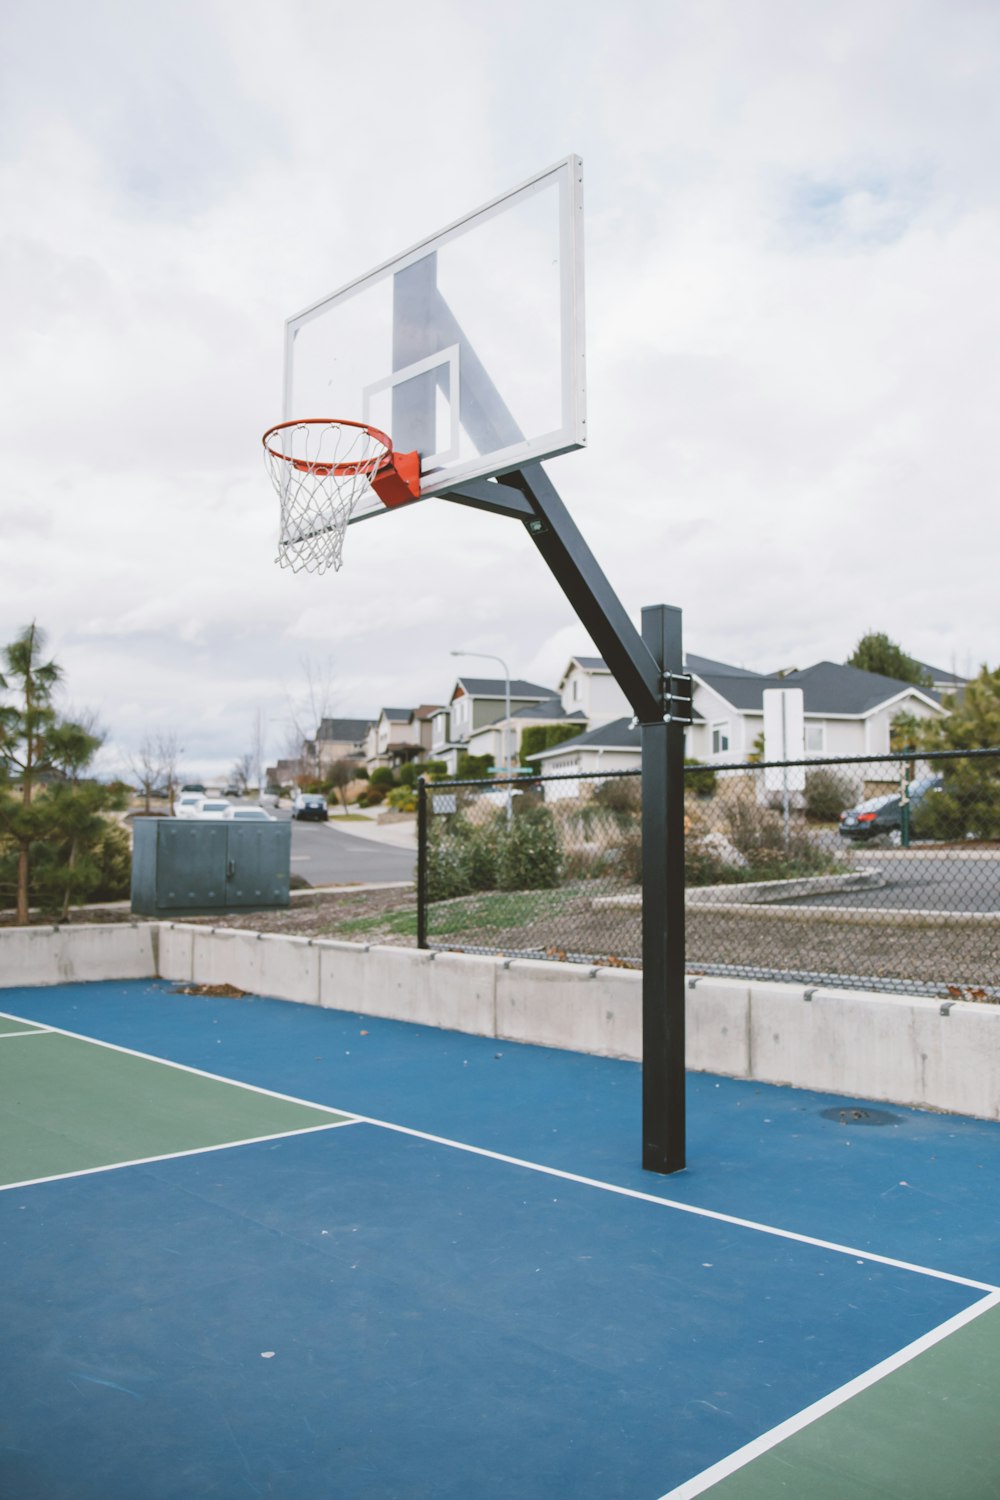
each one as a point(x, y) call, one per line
point(950, 960)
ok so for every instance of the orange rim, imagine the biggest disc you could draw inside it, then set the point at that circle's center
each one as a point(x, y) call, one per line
point(359, 466)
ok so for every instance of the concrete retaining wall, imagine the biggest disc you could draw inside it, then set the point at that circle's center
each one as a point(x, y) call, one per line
point(882, 1047)
point(64, 955)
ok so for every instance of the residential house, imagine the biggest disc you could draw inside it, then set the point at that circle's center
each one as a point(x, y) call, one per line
point(848, 712)
point(502, 738)
point(340, 739)
point(399, 735)
point(614, 746)
point(587, 687)
point(478, 703)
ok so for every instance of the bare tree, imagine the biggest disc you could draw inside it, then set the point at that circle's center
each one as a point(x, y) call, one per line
point(145, 766)
point(339, 777)
point(154, 765)
point(313, 703)
point(241, 773)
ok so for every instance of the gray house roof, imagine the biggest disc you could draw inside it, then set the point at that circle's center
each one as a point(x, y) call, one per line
point(704, 666)
point(828, 688)
point(496, 687)
point(343, 729)
point(946, 682)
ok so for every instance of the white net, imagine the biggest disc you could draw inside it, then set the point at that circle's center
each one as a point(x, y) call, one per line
point(320, 471)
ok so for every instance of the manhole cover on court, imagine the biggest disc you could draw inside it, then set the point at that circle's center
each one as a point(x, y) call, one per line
point(854, 1114)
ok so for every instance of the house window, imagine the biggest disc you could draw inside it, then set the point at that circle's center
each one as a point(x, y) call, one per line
point(720, 737)
point(815, 739)
point(576, 689)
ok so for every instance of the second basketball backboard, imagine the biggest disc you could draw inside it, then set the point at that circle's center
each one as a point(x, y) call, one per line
point(468, 348)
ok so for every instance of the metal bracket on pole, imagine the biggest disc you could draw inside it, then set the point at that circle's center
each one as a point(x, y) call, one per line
point(678, 698)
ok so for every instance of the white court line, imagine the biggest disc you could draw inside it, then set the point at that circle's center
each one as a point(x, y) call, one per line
point(144, 1161)
point(9, 1036)
point(689, 1208)
point(557, 1172)
point(809, 1414)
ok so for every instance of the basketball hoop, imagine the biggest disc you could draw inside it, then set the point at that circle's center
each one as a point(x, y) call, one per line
point(321, 469)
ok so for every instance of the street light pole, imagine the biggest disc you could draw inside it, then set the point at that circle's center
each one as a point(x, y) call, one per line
point(488, 656)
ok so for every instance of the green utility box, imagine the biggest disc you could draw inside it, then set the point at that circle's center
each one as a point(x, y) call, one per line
point(192, 868)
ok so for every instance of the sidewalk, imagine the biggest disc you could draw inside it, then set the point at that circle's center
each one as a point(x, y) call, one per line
point(402, 835)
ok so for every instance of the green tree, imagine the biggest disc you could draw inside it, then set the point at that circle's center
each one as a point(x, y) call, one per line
point(25, 757)
point(875, 652)
point(969, 800)
point(49, 811)
point(69, 862)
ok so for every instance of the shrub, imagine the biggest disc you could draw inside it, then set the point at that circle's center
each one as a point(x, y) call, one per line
point(411, 773)
point(402, 798)
point(771, 854)
point(825, 797)
point(539, 737)
point(530, 855)
point(382, 776)
point(472, 767)
point(461, 857)
point(967, 804)
point(701, 779)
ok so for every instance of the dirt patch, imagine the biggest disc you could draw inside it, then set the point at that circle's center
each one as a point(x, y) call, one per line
point(228, 991)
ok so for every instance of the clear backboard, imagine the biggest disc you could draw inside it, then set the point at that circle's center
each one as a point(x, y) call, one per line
point(468, 348)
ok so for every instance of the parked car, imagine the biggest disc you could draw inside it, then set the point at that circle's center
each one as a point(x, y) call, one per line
point(187, 804)
point(310, 805)
point(211, 809)
point(247, 815)
point(232, 791)
point(193, 786)
point(883, 816)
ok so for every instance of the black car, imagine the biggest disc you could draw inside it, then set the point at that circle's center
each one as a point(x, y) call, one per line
point(310, 805)
point(883, 816)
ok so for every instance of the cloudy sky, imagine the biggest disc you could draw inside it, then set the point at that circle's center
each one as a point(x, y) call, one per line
point(793, 335)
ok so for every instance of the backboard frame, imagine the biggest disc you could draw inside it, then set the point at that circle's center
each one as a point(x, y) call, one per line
point(443, 470)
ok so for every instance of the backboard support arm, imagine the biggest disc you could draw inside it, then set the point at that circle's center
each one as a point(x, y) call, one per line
point(649, 668)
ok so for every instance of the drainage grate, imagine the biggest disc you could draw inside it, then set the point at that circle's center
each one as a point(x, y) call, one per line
point(854, 1114)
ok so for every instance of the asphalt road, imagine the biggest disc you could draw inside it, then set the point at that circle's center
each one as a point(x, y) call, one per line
point(323, 855)
point(924, 880)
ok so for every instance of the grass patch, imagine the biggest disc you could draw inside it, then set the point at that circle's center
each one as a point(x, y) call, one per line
point(402, 922)
point(491, 911)
point(496, 910)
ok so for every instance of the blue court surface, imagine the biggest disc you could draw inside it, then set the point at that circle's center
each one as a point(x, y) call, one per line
point(432, 1266)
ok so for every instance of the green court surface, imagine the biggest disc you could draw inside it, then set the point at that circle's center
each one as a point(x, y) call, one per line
point(926, 1431)
point(68, 1105)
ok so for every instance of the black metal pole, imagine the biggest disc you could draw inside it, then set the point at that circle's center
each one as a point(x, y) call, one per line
point(421, 862)
point(663, 984)
point(647, 667)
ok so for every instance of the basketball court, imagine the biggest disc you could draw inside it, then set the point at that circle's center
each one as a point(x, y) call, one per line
point(254, 1248)
point(258, 1248)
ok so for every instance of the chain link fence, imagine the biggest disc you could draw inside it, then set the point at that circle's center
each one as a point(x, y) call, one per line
point(878, 873)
